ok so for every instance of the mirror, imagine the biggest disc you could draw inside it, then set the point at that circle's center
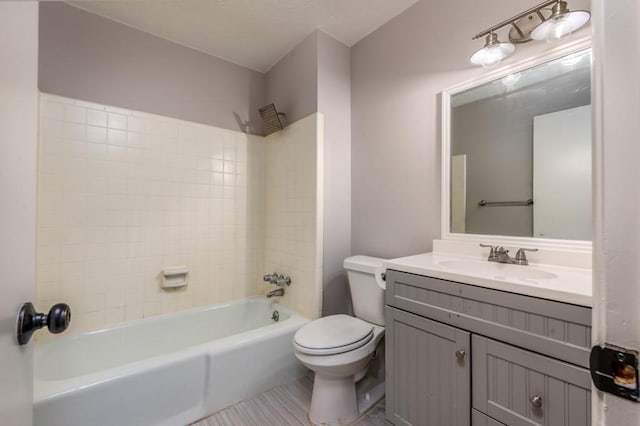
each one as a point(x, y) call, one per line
point(519, 152)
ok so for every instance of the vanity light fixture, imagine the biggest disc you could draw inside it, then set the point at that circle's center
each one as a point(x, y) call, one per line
point(532, 24)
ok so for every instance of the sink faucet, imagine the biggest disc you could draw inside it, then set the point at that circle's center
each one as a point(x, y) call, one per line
point(276, 293)
point(501, 255)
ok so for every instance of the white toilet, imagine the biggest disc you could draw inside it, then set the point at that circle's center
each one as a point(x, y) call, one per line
point(338, 348)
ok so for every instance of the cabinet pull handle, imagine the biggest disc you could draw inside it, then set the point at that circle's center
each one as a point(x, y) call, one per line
point(460, 354)
point(536, 401)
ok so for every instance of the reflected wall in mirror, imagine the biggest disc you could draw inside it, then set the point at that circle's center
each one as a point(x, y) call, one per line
point(521, 153)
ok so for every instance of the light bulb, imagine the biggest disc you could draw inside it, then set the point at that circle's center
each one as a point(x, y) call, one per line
point(492, 57)
point(561, 24)
point(492, 53)
point(560, 29)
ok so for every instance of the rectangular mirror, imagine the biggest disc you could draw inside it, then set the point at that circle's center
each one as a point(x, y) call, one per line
point(518, 152)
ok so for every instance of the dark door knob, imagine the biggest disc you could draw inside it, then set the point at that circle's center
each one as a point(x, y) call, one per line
point(57, 320)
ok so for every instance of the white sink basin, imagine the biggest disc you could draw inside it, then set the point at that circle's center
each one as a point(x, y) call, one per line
point(499, 271)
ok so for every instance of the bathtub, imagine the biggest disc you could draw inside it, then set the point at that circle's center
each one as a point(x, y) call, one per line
point(168, 370)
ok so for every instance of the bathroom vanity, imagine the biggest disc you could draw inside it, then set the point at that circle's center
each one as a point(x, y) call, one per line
point(485, 349)
point(486, 343)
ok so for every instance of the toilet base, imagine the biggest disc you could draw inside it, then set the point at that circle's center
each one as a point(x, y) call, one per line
point(333, 401)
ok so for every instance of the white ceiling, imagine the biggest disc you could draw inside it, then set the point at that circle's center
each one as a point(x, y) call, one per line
point(252, 33)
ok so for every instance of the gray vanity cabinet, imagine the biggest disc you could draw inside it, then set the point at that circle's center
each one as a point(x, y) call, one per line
point(431, 375)
point(459, 354)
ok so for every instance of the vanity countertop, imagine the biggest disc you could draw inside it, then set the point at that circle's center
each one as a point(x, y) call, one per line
point(563, 284)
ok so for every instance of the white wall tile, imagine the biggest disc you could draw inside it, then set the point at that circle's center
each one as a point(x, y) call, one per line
point(123, 194)
point(96, 118)
point(117, 121)
point(291, 213)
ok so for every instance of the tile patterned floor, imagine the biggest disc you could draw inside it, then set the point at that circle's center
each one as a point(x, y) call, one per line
point(286, 405)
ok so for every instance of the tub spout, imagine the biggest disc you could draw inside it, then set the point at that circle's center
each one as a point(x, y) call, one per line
point(276, 292)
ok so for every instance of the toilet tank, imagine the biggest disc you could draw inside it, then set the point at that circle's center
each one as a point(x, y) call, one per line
point(367, 287)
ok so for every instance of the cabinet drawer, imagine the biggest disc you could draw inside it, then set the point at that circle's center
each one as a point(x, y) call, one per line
point(428, 377)
point(520, 388)
point(556, 329)
point(481, 419)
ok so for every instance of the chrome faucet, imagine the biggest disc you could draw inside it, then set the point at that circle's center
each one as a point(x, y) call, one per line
point(277, 279)
point(521, 257)
point(276, 293)
point(501, 255)
point(270, 278)
point(283, 280)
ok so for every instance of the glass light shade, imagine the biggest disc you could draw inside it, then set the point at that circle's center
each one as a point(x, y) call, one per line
point(492, 54)
point(560, 26)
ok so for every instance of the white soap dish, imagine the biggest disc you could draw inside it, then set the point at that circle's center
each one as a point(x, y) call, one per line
point(175, 276)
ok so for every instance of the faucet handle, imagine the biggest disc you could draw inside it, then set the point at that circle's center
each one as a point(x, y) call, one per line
point(492, 252)
point(283, 280)
point(521, 257)
point(270, 278)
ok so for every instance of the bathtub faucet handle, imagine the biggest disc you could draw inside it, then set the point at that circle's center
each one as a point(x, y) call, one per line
point(283, 280)
point(271, 278)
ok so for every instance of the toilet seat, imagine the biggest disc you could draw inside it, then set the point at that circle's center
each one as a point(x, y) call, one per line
point(333, 335)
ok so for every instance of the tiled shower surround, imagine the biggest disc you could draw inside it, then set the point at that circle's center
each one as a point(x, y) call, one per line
point(123, 194)
point(293, 227)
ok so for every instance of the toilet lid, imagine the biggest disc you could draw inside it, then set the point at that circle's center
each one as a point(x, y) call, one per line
point(333, 335)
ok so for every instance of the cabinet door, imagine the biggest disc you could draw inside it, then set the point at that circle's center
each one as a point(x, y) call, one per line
point(428, 372)
point(521, 388)
point(479, 419)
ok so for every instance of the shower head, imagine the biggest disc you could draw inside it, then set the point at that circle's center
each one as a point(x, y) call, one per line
point(271, 118)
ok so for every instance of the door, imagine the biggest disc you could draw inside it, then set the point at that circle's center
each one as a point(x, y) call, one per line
point(18, 142)
point(562, 174)
point(428, 370)
point(616, 317)
point(458, 193)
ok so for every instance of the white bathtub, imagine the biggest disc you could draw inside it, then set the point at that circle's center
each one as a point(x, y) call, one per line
point(168, 370)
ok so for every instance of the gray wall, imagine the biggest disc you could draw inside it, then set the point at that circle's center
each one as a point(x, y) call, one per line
point(334, 101)
point(292, 83)
point(85, 56)
point(396, 75)
point(496, 134)
point(315, 77)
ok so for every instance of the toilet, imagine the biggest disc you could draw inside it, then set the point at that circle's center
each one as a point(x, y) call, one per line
point(338, 348)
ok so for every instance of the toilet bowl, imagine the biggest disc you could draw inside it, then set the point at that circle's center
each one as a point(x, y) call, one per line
point(338, 348)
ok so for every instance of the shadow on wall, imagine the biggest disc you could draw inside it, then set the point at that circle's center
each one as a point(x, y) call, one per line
point(337, 285)
point(243, 126)
point(253, 124)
